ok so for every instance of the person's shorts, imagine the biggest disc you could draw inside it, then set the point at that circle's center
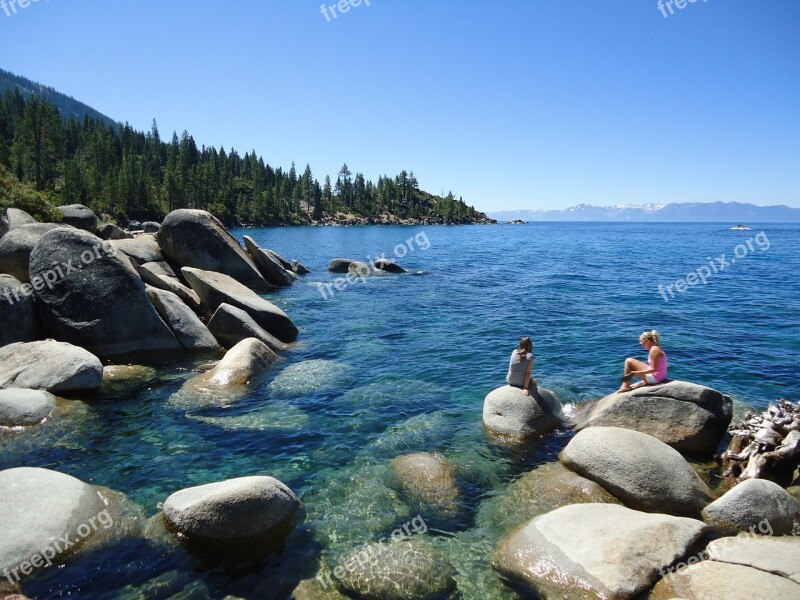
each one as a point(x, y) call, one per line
point(651, 380)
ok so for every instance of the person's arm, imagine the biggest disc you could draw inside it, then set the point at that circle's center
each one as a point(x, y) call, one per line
point(527, 379)
point(654, 355)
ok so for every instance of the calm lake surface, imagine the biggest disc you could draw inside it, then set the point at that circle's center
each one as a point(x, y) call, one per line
point(400, 364)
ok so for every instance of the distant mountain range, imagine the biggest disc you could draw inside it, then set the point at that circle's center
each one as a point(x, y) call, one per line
point(67, 105)
point(693, 212)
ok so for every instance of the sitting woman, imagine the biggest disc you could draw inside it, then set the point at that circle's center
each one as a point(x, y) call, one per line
point(655, 371)
point(521, 365)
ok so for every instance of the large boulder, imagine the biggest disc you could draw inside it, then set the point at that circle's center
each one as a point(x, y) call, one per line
point(16, 217)
point(151, 226)
point(507, 411)
point(640, 470)
point(109, 231)
point(594, 550)
point(46, 517)
point(190, 331)
point(56, 367)
point(80, 217)
point(270, 268)
point(777, 555)
point(20, 407)
point(19, 321)
point(157, 274)
point(713, 580)
point(100, 302)
point(749, 504)
point(16, 247)
point(141, 250)
point(195, 238)
point(388, 266)
point(689, 417)
point(408, 570)
point(234, 512)
point(215, 289)
point(246, 361)
point(427, 478)
point(230, 325)
point(546, 488)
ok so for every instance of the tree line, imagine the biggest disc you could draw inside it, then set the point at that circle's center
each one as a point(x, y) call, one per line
point(129, 174)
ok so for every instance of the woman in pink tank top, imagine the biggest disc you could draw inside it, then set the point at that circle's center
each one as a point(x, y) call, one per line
point(652, 372)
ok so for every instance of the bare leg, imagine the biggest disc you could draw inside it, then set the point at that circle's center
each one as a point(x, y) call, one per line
point(631, 365)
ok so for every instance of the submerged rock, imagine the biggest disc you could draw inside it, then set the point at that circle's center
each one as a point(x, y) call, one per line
point(751, 504)
point(507, 411)
point(247, 510)
point(230, 325)
point(310, 376)
point(19, 321)
point(618, 554)
point(196, 239)
point(126, 378)
point(409, 570)
point(546, 488)
point(215, 289)
point(689, 417)
point(192, 334)
point(776, 555)
point(100, 303)
point(640, 470)
point(21, 407)
point(80, 217)
point(427, 478)
point(298, 268)
point(56, 367)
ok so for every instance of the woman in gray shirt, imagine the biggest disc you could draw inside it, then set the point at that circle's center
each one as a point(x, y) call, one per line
point(521, 365)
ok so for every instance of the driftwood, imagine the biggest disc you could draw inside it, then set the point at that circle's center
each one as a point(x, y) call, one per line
point(765, 446)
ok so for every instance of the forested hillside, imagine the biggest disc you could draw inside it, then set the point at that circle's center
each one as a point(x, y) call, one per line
point(129, 174)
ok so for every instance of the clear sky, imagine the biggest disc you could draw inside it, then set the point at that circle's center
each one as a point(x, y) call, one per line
point(511, 104)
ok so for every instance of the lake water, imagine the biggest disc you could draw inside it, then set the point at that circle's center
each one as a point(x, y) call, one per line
point(399, 364)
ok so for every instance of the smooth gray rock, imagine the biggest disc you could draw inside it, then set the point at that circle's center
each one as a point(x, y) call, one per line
point(196, 239)
point(285, 263)
point(298, 268)
point(340, 265)
point(16, 217)
point(426, 477)
point(142, 249)
point(151, 227)
point(246, 361)
point(639, 469)
point(247, 509)
point(359, 268)
point(19, 321)
point(409, 570)
point(193, 335)
point(270, 268)
point(80, 217)
point(689, 417)
point(594, 550)
point(109, 231)
point(750, 503)
point(713, 580)
point(776, 555)
point(21, 407)
point(231, 325)
point(388, 266)
point(215, 289)
point(134, 226)
point(157, 275)
point(507, 411)
point(101, 305)
point(56, 367)
point(16, 247)
point(38, 506)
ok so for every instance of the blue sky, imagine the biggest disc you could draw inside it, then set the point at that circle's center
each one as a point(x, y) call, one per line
point(512, 105)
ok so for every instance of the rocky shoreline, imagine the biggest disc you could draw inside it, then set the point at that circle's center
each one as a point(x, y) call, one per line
point(624, 513)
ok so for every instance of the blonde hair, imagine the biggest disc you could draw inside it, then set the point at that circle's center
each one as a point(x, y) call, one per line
point(651, 336)
point(525, 346)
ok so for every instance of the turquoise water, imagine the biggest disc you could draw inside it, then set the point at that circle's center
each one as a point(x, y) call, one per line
point(399, 364)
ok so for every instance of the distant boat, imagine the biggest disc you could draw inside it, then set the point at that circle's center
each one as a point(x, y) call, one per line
point(740, 228)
